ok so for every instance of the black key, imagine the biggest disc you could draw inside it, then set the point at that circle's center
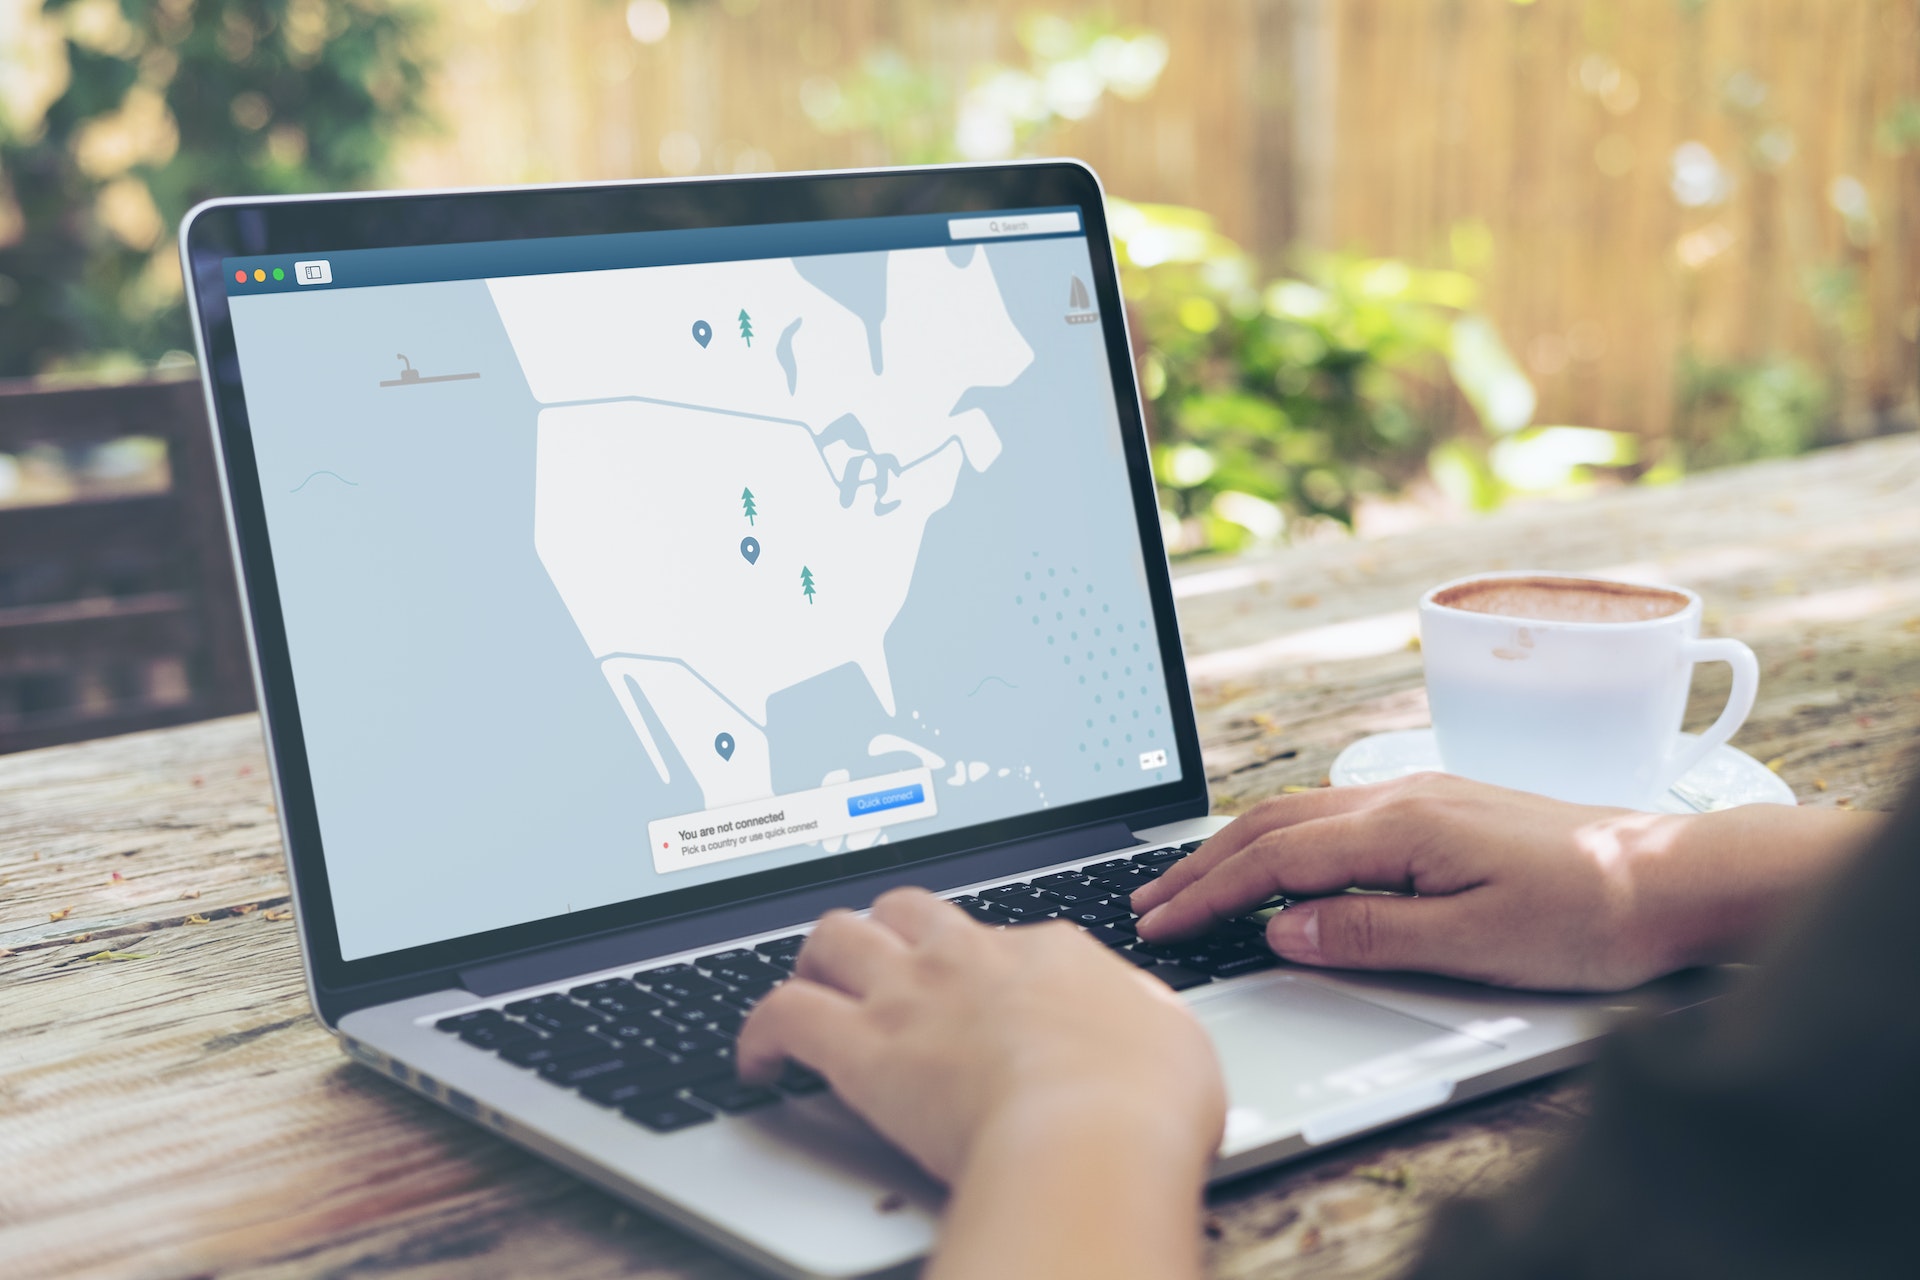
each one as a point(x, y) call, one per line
point(1074, 892)
point(624, 1031)
point(663, 1112)
point(1177, 952)
point(630, 1004)
point(1027, 912)
point(692, 1010)
point(1135, 959)
point(747, 997)
point(707, 1066)
point(522, 1008)
point(727, 1022)
point(753, 975)
point(1111, 936)
point(688, 1044)
point(674, 1021)
point(1246, 962)
point(787, 946)
point(732, 1097)
point(570, 1072)
point(1178, 978)
point(1093, 913)
point(1122, 882)
point(646, 1073)
point(1049, 883)
point(749, 987)
point(459, 1022)
point(796, 1079)
point(1157, 858)
point(998, 892)
point(984, 912)
point(653, 1074)
point(735, 956)
point(616, 997)
point(1191, 846)
point(781, 960)
point(540, 1051)
point(1027, 901)
point(563, 1017)
point(679, 982)
point(1112, 864)
point(489, 1035)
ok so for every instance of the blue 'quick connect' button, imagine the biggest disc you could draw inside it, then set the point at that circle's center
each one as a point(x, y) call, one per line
point(875, 801)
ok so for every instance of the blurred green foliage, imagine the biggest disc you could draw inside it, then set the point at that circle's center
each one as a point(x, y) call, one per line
point(152, 105)
point(1279, 404)
point(1279, 400)
point(1731, 413)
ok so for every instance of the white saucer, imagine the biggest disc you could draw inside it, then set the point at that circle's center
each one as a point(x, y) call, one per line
point(1726, 778)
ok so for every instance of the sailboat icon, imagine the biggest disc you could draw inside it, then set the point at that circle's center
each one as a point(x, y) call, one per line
point(1081, 304)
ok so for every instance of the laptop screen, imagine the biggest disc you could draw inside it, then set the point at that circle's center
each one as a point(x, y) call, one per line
point(615, 564)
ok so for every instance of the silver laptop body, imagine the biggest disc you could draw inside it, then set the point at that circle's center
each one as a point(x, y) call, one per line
point(606, 413)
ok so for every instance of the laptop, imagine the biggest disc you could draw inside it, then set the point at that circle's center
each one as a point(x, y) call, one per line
point(635, 571)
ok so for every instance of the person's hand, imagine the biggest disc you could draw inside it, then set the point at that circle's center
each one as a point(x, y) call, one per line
point(1512, 888)
point(941, 1032)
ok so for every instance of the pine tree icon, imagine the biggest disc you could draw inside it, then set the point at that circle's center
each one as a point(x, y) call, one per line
point(746, 504)
point(746, 326)
point(806, 583)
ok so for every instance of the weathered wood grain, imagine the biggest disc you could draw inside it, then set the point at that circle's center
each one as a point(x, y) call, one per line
point(180, 1113)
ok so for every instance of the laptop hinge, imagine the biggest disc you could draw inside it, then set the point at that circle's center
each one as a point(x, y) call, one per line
point(632, 946)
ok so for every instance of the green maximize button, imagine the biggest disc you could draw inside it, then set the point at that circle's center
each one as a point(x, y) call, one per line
point(278, 274)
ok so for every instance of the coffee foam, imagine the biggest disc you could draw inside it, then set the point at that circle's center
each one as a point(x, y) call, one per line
point(1546, 599)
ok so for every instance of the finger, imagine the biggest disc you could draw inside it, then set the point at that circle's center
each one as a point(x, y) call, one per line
point(814, 1025)
point(1274, 814)
point(1370, 931)
point(847, 952)
point(1351, 850)
point(917, 915)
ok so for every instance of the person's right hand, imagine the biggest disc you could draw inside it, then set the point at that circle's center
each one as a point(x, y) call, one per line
point(941, 1031)
point(1500, 886)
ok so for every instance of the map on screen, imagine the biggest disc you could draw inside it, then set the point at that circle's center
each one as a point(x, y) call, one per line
point(598, 583)
point(772, 467)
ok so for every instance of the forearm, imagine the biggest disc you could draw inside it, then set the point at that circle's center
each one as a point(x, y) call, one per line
point(1106, 1194)
point(1712, 888)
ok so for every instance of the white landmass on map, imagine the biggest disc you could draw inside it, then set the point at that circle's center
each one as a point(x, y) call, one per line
point(649, 439)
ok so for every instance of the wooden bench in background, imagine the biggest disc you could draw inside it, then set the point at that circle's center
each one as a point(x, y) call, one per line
point(117, 613)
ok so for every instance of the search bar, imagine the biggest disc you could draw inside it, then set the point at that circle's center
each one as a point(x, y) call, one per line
point(1024, 224)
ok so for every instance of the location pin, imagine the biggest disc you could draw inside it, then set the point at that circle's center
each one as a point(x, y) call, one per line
point(750, 548)
point(724, 745)
point(702, 332)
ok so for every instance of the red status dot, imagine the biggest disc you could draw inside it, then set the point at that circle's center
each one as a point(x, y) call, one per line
point(241, 276)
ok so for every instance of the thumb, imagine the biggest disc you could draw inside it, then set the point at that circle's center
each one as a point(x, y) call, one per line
point(1373, 931)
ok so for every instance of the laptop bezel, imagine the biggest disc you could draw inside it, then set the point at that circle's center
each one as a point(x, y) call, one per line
point(338, 223)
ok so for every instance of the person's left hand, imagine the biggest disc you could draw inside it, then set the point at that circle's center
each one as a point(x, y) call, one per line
point(939, 1030)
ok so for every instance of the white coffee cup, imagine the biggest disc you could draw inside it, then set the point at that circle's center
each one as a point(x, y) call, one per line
point(1584, 704)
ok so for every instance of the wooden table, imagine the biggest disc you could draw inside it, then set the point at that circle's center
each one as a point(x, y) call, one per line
point(169, 1106)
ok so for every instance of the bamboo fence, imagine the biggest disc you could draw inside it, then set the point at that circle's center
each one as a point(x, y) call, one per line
point(1546, 132)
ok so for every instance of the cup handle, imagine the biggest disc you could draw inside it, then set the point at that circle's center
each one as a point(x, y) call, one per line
point(1746, 685)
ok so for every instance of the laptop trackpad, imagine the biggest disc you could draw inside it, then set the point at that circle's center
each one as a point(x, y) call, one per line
point(1297, 1054)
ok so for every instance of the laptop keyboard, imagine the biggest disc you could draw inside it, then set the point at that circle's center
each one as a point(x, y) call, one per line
point(657, 1045)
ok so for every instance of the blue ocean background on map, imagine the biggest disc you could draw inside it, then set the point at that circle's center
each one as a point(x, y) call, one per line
point(466, 750)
